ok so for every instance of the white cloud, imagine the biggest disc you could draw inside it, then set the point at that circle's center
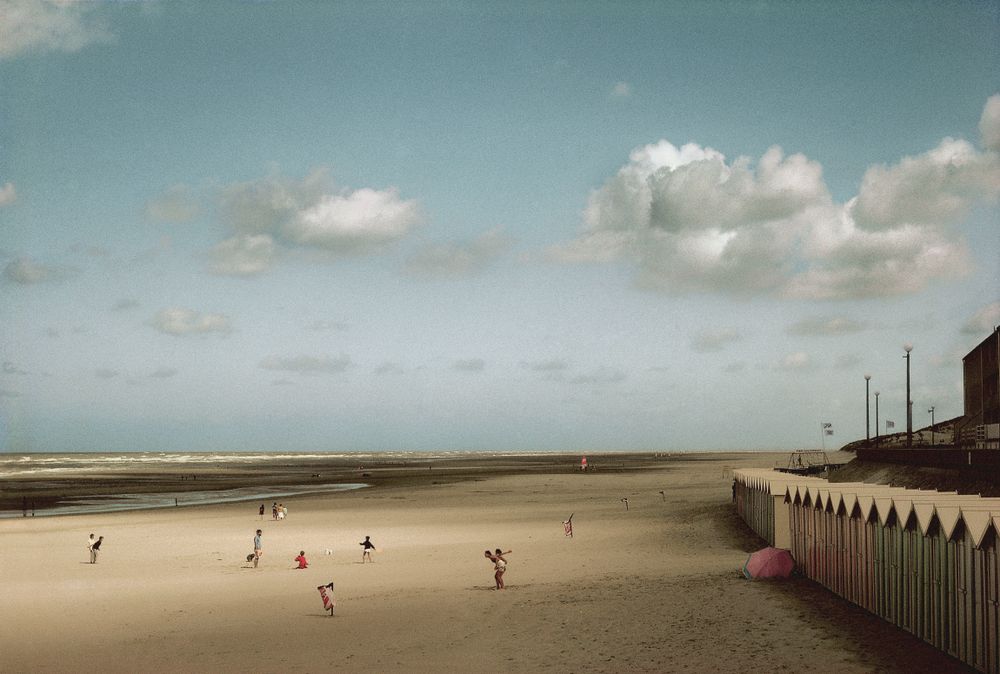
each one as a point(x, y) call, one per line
point(177, 204)
point(837, 325)
point(48, 25)
point(983, 321)
point(8, 194)
point(691, 221)
point(714, 340)
point(621, 90)
point(308, 213)
point(307, 364)
point(935, 188)
point(356, 221)
point(844, 261)
point(243, 255)
point(459, 258)
point(265, 205)
point(989, 123)
point(180, 322)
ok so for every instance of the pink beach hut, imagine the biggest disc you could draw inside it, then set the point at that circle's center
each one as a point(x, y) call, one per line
point(769, 563)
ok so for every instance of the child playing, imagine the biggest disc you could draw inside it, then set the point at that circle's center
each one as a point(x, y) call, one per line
point(301, 559)
point(367, 552)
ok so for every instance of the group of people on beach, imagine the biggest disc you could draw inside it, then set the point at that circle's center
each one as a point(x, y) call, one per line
point(278, 511)
point(497, 557)
point(367, 547)
point(94, 546)
point(499, 565)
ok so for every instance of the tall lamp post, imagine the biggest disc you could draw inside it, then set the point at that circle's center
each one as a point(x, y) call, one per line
point(868, 407)
point(909, 403)
point(931, 412)
point(876, 418)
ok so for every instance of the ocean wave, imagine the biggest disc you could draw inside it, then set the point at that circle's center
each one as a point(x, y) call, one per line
point(27, 465)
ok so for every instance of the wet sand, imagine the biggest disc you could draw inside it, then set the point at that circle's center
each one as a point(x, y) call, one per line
point(655, 588)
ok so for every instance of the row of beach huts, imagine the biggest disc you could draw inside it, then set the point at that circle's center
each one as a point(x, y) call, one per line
point(926, 561)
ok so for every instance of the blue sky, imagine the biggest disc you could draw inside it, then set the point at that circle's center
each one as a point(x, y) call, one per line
point(497, 226)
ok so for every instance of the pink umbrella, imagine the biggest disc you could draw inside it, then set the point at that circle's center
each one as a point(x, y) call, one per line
point(769, 563)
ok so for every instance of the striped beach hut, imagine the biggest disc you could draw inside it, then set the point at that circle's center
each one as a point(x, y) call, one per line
point(925, 561)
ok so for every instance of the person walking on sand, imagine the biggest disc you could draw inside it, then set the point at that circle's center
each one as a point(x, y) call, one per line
point(90, 548)
point(95, 548)
point(367, 552)
point(258, 548)
point(499, 565)
point(301, 559)
point(274, 510)
point(261, 511)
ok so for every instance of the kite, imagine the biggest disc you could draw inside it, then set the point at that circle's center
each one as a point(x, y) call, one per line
point(329, 603)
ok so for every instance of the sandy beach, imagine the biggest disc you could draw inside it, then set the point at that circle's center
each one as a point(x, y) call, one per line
point(655, 588)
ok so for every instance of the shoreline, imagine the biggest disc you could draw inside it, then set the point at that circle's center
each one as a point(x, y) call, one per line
point(147, 476)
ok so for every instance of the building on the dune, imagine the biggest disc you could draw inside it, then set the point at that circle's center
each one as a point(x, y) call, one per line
point(977, 429)
point(981, 385)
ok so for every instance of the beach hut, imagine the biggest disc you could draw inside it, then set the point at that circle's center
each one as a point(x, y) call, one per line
point(926, 561)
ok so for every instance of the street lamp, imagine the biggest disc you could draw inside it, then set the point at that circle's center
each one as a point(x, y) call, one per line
point(931, 412)
point(868, 406)
point(909, 403)
point(876, 418)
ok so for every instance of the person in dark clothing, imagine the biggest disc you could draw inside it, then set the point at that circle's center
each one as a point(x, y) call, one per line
point(367, 552)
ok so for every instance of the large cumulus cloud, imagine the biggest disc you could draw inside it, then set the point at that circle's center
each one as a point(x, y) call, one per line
point(689, 220)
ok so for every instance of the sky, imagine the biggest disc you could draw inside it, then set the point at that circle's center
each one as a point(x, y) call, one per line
point(569, 226)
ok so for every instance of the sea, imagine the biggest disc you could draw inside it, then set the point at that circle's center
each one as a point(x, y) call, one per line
point(42, 467)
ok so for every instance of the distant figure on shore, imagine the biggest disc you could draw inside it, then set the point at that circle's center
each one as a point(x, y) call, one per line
point(281, 512)
point(258, 548)
point(95, 548)
point(366, 553)
point(499, 565)
point(301, 559)
point(90, 548)
point(274, 510)
point(262, 511)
